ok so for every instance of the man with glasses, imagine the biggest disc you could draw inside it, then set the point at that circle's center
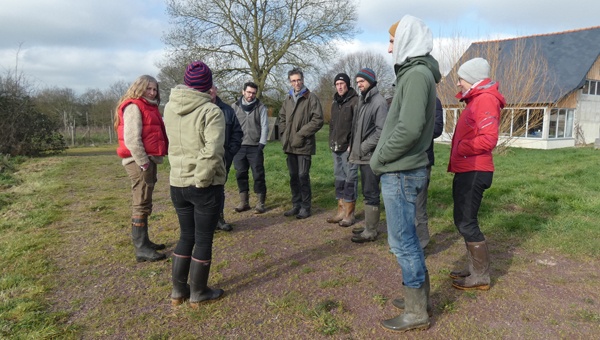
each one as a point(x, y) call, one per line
point(300, 118)
point(252, 115)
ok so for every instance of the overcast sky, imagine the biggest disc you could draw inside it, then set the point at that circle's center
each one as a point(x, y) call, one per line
point(92, 44)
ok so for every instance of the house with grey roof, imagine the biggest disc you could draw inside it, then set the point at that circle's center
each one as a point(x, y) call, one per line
point(551, 83)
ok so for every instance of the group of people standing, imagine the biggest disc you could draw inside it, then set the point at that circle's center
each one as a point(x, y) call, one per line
point(391, 144)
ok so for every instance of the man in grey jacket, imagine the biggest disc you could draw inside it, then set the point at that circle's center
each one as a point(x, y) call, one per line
point(300, 118)
point(252, 115)
point(366, 130)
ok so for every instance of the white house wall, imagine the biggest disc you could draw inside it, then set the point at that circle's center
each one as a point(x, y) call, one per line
point(587, 117)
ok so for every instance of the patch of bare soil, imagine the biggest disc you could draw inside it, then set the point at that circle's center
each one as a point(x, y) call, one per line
point(299, 279)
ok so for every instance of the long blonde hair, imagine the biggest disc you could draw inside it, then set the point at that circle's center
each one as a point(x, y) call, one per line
point(135, 91)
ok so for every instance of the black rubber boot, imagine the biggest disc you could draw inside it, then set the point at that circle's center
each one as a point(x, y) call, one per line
point(199, 290)
point(142, 221)
point(292, 212)
point(399, 303)
point(415, 313)
point(179, 273)
point(222, 225)
point(143, 252)
point(303, 213)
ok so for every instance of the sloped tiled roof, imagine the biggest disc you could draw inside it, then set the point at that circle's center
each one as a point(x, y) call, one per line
point(569, 56)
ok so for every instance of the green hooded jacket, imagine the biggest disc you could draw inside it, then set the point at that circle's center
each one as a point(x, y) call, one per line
point(408, 128)
point(196, 130)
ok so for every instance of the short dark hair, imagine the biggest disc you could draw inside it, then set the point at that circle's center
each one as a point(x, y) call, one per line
point(295, 70)
point(250, 84)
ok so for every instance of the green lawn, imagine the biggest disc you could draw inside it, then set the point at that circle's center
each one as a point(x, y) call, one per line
point(539, 201)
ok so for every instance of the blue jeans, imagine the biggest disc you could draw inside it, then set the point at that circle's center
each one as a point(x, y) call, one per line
point(368, 181)
point(400, 190)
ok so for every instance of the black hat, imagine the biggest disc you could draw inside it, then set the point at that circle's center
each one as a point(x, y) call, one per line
point(344, 77)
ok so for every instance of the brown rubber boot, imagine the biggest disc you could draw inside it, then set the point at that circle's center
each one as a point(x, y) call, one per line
point(340, 213)
point(348, 219)
point(457, 274)
point(480, 273)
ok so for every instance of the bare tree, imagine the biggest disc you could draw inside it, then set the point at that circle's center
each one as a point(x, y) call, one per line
point(351, 64)
point(258, 40)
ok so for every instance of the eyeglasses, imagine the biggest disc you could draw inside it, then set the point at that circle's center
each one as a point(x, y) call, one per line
point(296, 81)
point(252, 93)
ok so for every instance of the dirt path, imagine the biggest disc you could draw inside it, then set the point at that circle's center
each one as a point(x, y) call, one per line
point(292, 279)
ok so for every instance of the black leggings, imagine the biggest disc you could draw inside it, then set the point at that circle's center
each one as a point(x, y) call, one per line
point(467, 192)
point(198, 212)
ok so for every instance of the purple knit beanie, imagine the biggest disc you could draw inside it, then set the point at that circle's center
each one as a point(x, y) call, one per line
point(368, 75)
point(198, 76)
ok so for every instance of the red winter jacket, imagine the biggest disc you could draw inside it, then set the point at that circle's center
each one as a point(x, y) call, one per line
point(154, 135)
point(476, 132)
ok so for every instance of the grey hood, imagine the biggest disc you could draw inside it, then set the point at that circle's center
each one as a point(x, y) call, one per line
point(412, 39)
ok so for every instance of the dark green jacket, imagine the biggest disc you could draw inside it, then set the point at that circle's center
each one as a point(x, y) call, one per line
point(408, 128)
point(299, 121)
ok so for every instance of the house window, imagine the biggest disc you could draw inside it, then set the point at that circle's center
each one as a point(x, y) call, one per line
point(522, 122)
point(591, 87)
point(561, 123)
point(535, 122)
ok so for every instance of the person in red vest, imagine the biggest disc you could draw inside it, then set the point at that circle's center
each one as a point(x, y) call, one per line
point(142, 145)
